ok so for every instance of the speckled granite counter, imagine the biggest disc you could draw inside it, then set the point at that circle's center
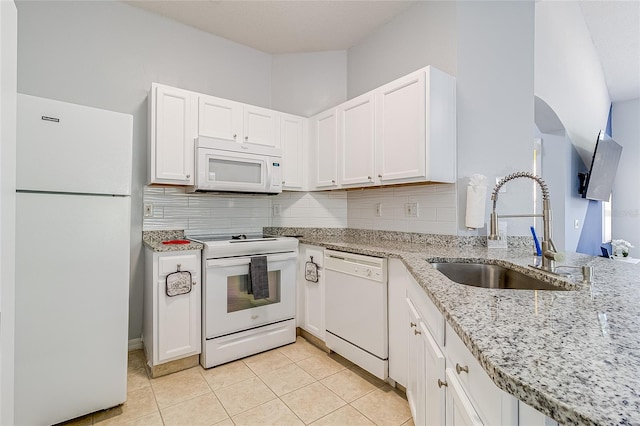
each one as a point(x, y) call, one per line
point(573, 355)
point(154, 239)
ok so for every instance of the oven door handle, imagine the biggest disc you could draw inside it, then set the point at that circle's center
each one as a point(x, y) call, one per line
point(244, 260)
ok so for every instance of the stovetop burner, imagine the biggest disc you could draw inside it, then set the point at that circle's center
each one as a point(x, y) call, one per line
point(217, 245)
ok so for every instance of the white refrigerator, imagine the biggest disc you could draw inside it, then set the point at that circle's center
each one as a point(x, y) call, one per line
point(72, 259)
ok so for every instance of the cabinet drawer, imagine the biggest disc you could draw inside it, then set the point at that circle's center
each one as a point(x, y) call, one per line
point(492, 404)
point(428, 311)
point(185, 262)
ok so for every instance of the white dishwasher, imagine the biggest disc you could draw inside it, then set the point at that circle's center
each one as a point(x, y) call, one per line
point(356, 309)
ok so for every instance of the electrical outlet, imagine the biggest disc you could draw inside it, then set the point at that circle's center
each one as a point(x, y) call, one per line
point(411, 209)
point(275, 210)
point(378, 209)
point(148, 210)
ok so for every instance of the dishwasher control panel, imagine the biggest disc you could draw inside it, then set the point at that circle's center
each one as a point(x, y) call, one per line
point(372, 268)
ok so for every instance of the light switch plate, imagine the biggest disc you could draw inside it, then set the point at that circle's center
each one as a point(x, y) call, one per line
point(148, 210)
point(275, 210)
point(411, 209)
point(378, 209)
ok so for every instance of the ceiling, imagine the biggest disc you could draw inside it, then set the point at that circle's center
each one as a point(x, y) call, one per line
point(278, 27)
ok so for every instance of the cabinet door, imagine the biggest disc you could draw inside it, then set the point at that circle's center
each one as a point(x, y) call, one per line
point(172, 135)
point(292, 142)
point(460, 411)
point(219, 118)
point(325, 137)
point(400, 129)
point(178, 317)
point(261, 126)
point(314, 321)
point(416, 373)
point(356, 140)
point(435, 378)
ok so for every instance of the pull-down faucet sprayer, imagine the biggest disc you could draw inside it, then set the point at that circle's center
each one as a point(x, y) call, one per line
point(549, 252)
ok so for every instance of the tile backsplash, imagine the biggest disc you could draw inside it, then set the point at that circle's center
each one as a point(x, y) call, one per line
point(173, 208)
point(436, 214)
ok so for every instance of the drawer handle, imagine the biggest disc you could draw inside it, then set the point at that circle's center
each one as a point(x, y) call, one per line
point(460, 369)
point(417, 332)
point(441, 383)
point(412, 324)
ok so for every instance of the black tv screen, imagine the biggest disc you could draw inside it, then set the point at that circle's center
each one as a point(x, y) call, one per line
point(604, 165)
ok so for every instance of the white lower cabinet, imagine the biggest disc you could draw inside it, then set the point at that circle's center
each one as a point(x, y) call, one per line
point(445, 384)
point(171, 324)
point(310, 306)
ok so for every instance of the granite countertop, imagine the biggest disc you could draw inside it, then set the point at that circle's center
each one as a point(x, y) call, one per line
point(573, 355)
point(154, 240)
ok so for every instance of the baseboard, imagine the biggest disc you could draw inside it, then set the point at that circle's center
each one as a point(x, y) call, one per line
point(135, 344)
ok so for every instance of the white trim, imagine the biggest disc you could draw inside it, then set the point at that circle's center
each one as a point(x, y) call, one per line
point(135, 344)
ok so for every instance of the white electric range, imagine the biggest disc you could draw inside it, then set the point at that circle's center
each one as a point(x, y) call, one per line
point(234, 323)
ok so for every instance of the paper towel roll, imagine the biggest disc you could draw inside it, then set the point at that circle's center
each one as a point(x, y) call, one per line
point(476, 198)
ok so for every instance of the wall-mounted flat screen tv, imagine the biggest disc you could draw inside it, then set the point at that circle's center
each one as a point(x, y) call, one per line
point(604, 164)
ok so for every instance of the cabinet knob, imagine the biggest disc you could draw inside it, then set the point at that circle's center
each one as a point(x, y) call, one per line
point(441, 383)
point(333, 181)
point(417, 332)
point(246, 138)
point(380, 176)
point(194, 283)
point(460, 369)
point(188, 176)
point(235, 136)
point(369, 177)
point(283, 182)
point(412, 324)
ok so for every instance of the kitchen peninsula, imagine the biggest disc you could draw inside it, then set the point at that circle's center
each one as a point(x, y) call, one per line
point(572, 355)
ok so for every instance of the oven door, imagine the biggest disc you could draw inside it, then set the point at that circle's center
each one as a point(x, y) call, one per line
point(228, 307)
point(226, 171)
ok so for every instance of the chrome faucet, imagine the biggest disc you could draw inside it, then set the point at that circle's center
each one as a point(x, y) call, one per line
point(549, 252)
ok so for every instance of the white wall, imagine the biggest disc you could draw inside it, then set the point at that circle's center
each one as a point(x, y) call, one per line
point(625, 221)
point(8, 84)
point(495, 102)
point(106, 54)
point(568, 73)
point(308, 83)
point(423, 35)
point(436, 209)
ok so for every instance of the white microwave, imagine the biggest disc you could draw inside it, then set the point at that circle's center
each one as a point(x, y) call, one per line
point(227, 166)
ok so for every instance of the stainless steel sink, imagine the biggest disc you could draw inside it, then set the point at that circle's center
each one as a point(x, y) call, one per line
point(491, 276)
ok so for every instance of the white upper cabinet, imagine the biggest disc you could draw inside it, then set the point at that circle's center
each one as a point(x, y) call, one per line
point(171, 135)
point(324, 135)
point(233, 121)
point(261, 126)
point(292, 141)
point(219, 118)
point(416, 128)
point(356, 141)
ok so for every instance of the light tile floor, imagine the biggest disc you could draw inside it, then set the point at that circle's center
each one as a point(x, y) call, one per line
point(293, 385)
